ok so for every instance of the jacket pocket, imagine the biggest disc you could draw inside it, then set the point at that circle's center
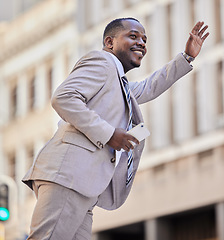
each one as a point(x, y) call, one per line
point(79, 140)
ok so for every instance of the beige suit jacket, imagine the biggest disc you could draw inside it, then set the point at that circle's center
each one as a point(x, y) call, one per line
point(91, 104)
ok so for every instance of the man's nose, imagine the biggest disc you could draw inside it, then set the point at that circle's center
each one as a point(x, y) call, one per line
point(141, 42)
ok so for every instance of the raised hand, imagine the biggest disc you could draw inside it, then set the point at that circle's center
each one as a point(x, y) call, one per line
point(196, 39)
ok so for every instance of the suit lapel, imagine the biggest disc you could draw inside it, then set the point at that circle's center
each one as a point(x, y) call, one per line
point(136, 113)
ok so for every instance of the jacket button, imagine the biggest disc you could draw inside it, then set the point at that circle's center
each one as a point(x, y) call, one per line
point(112, 160)
point(99, 144)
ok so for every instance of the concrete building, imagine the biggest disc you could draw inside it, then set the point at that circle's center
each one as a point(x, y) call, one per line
point(178, 192)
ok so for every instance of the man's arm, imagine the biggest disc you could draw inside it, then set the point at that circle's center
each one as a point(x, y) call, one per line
point(71, 97)
point(164, 78)
point(161, 80)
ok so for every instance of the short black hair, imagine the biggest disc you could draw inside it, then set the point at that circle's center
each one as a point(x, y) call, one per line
point(115, 26)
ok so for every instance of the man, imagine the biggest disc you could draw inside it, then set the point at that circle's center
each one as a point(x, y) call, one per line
point(78, 168)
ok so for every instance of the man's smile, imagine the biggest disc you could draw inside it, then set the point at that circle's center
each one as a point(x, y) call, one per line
point(139, 52)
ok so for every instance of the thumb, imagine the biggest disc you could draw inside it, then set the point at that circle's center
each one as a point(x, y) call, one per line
point(191, 35)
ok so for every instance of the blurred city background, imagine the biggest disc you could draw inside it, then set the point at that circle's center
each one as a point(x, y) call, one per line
point(178, 193)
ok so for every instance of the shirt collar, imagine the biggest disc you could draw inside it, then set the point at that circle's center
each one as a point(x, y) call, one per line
point(118, 65)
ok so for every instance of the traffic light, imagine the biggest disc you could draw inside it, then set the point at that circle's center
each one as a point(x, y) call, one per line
point(8, 201)
point(4, 202)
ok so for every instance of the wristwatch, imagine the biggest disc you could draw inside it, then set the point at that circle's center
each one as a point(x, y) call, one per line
point(189, 58)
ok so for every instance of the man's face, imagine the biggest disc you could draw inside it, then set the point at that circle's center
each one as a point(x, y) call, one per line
point(129, 44)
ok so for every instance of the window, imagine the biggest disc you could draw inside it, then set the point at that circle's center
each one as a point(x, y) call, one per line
point(171, 118)
point(29, 162)
point(147, 58)
point(192, 12)
point(89, 14)
point(169, 30)
point(31, 93)
point(13, 101)
point(194, 225)
point(205, 159)
point(220, 88)
point(194, 104)
point(12, 165)
point(30, 156)
point(130, 232)
point(49, 82)
point(218, 34)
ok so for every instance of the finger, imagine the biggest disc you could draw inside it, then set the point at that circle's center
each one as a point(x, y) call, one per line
point(202, 31)
point(133, 139)
point(200, 25)
point(132, 144)
point(127, 148)
point(197, 27)
point(205, 36)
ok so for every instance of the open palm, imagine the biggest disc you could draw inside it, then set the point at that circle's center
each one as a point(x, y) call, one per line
point(196, 39)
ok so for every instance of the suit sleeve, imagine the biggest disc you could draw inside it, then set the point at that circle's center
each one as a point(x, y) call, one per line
point(160, 80)
point(71, 98)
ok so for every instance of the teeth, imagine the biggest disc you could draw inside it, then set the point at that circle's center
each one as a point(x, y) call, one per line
point(138, 51)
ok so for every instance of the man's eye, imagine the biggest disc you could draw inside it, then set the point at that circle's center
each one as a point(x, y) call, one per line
point(133, 36)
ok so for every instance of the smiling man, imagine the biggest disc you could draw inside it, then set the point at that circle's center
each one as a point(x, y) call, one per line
point(79, 168)
point(128, 44)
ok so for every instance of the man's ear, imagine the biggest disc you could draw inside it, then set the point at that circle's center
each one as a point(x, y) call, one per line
point(108, 42)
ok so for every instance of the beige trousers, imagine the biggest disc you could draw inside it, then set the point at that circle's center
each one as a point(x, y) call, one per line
point(60, 213)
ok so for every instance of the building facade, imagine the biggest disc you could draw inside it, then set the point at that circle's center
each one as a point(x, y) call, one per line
point(178, 192)
point(36, 50)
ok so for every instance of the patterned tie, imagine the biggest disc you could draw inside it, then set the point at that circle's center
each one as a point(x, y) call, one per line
point(130, 154)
